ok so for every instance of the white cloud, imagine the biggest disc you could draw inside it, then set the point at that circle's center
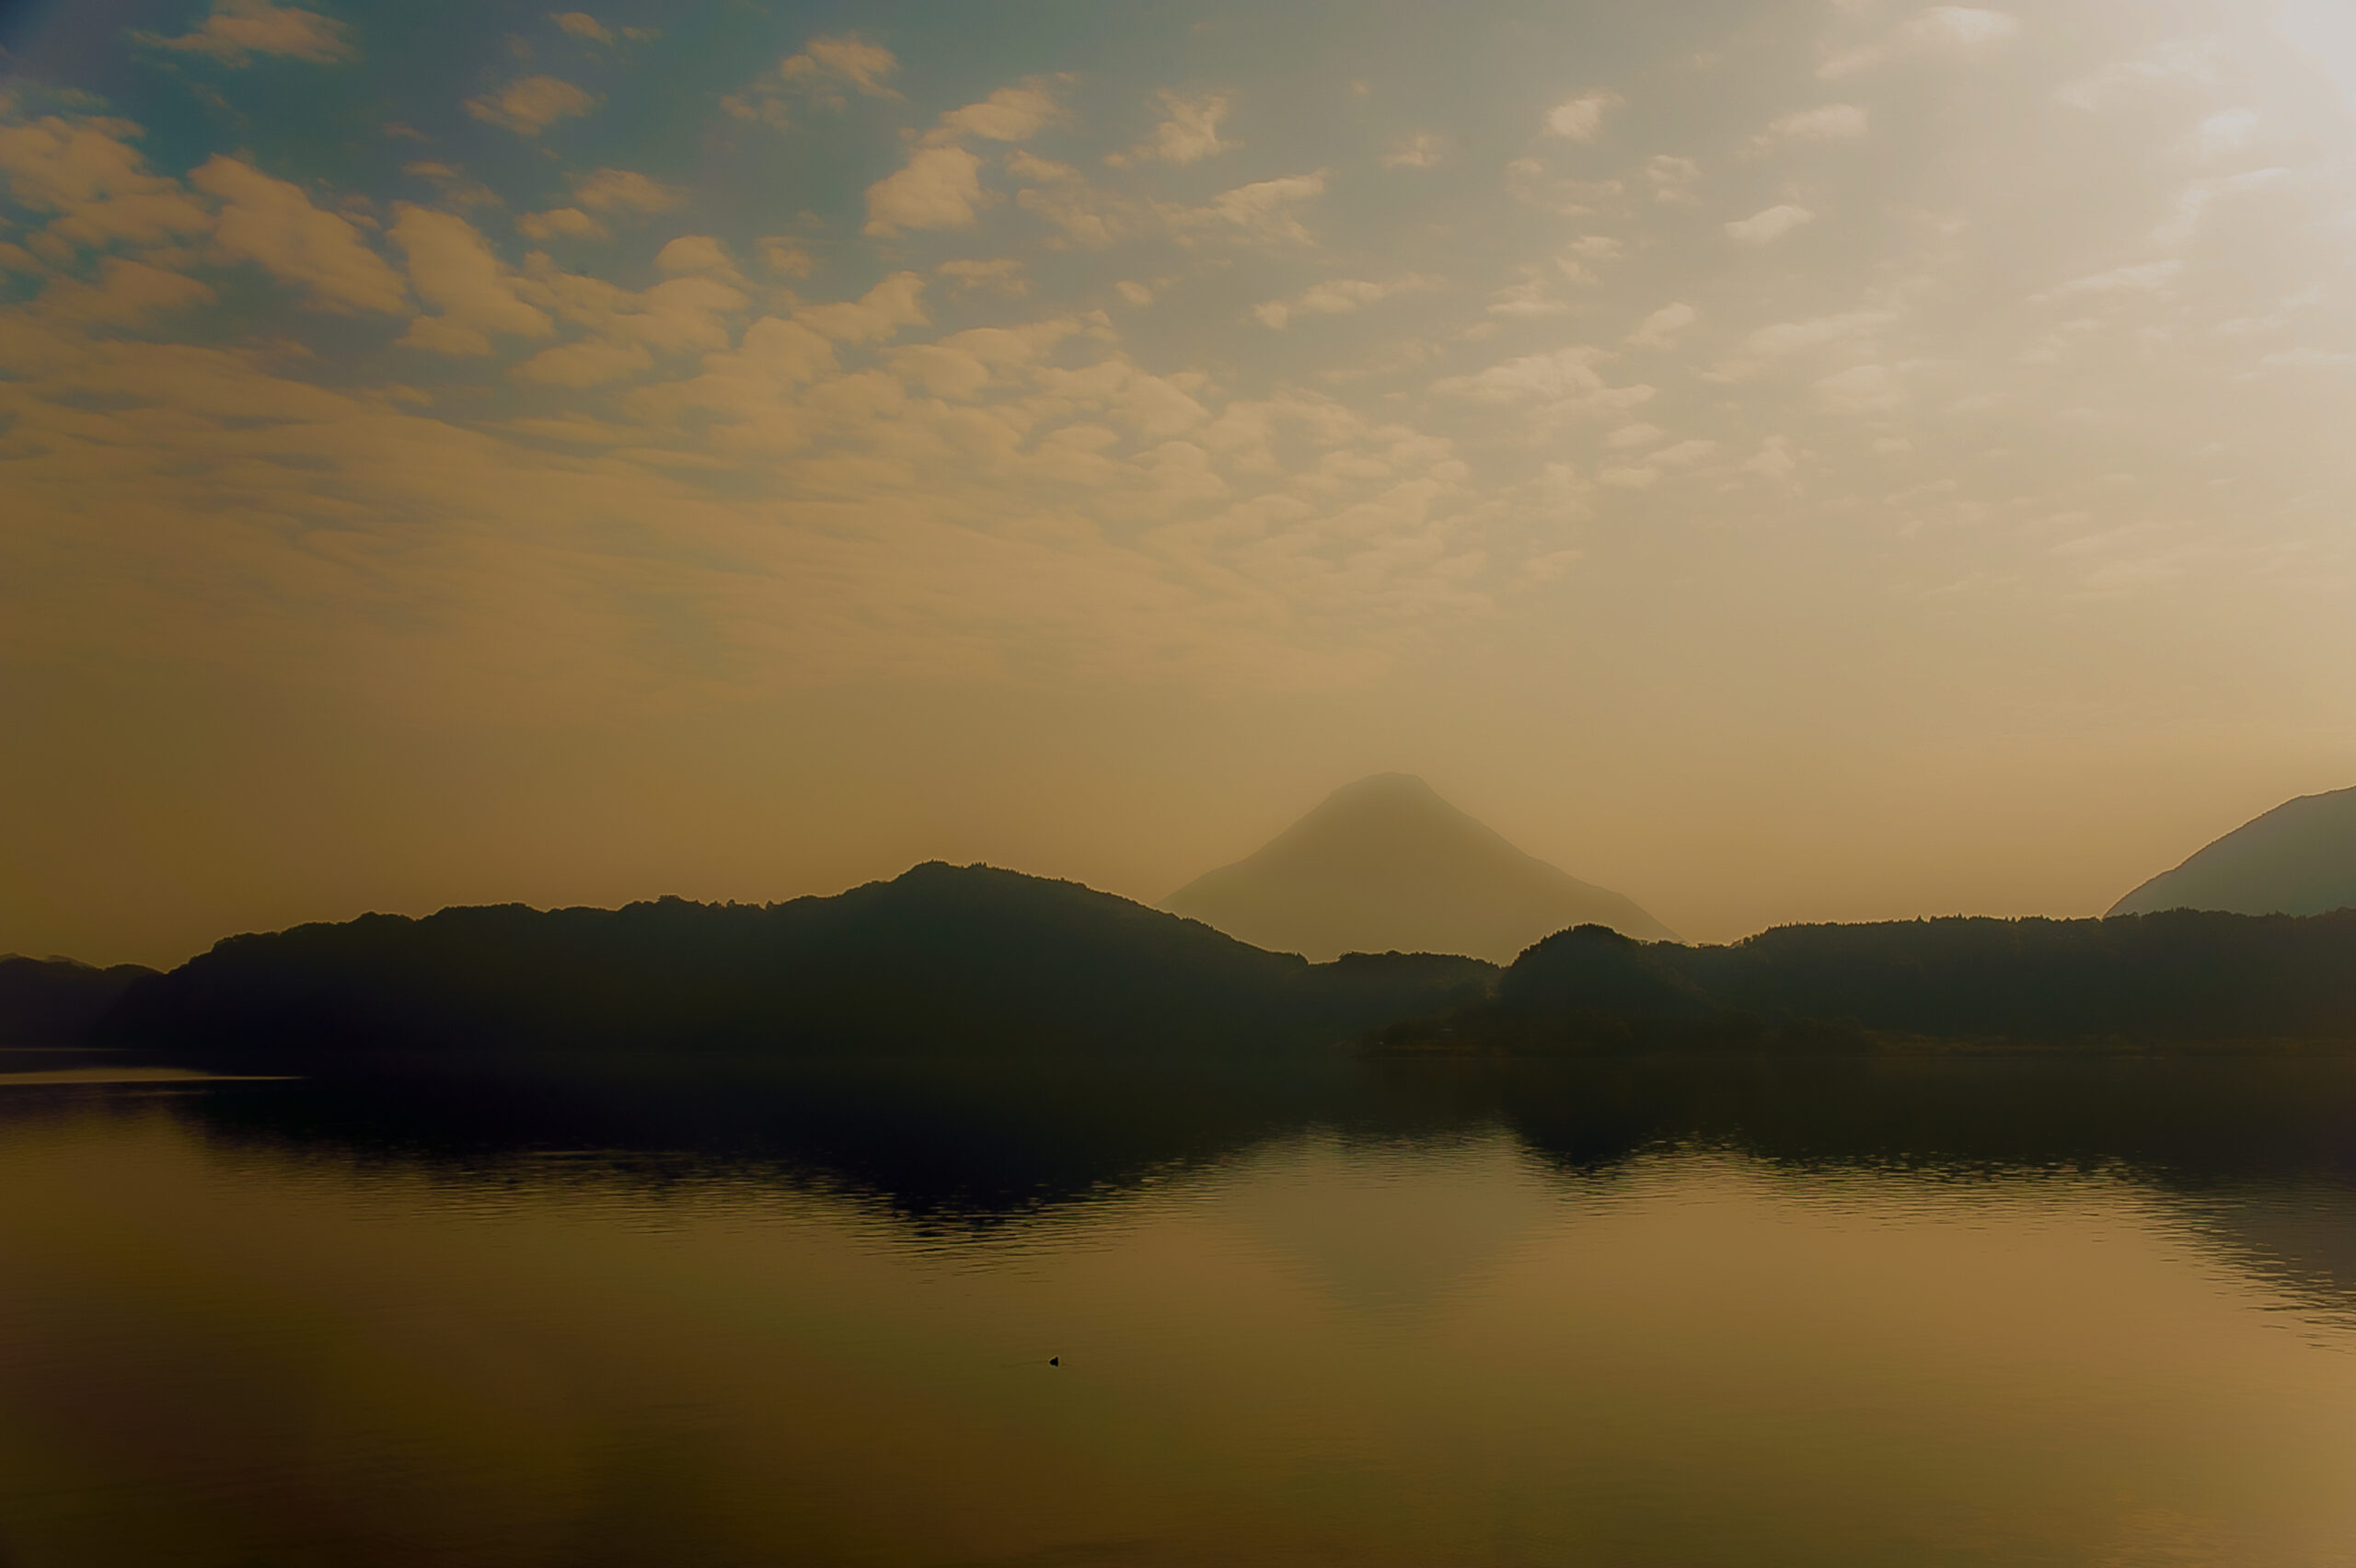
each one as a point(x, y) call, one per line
point(2223, 133)
point(1963, 31)
point(89, 174)
point(561, 222)
point(1263, 209)
point(1338, 296)
point(236, 30)
point(625, 190)
point(939, 188)
point(1862, 389)
point(819, 74)
point(845, 57)
point(1580, 118)
point(531, 104)
point(1759, 228)
point(273, 223)
point(1829, 123)
point(582, 25)
point(879, 312)
point(1633, 436)
point(2179, 62)
point(1774, 460)
point(1672, 178)
point(127, 294)
point(1659, 329)
point(2142, 277)
point(999, 276)
point(1187, 133)
point(695, 254)
point(1419, 151)
point(1010, 114)
point(1563, 382)
point(474, 294)
point(1849, 329)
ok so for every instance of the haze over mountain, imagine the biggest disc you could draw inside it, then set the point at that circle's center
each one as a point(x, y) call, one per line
point(2299, 859)
point(1385, 864)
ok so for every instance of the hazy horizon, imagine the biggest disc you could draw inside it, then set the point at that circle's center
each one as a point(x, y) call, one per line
point(1790, 460)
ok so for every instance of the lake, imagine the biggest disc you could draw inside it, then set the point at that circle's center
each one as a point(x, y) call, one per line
point(2018, 1310)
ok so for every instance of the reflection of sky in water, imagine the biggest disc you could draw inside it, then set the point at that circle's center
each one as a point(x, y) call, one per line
point(1418, 1349)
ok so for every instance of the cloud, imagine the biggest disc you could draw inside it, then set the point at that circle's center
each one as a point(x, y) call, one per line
point(1564, 381)
point(1760, 228)
point(1832, 123)
point(1533, 295)
point(1672, 178)
point(2223, 133)
point(272, 223)
point(1084, 214)
point(531, 104)
point(1001, 276)
point(475, 294)
point(1862, 389)
point(89, 174)
point(818, 74)
point(1580, 118)
point(1957, 31)
point(625, 190)
point(786, 255)
point(845, 57)
point(1010, 114)
point(2180, 62)
point(696, 255)
point(1419, 151)
point(1263, 209)
point(561, 222)
point(238, 29)
point(127, 294)
point(613, 192)
point(879, 312)
point(1338, 296)
point(1659, 329)
point(2142, 277)
point(1187, 133)
point(582, 25)
point(1774, 460)
point(939, 188)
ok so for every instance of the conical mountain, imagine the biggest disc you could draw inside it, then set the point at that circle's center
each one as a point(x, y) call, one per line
point(1385, 864)
point(2299, 859)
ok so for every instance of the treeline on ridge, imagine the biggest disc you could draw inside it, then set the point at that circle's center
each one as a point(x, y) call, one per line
point(2175, 978)
point(953, 961)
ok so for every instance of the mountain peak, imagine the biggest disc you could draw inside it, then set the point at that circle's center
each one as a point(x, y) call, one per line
point(2299, 859)
point(1385, 863)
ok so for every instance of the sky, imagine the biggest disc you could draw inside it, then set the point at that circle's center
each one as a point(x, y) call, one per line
point(1779, 459)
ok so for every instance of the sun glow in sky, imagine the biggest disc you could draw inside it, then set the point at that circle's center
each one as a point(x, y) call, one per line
point(1777, 458)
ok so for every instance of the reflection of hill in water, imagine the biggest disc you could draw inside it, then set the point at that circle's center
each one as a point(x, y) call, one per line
point(2257, 1152)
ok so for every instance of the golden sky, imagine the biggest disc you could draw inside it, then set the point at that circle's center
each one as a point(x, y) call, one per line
point(1779, 459)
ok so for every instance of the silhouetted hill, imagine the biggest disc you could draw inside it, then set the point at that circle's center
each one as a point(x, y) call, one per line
point(1386, 863)
point(944, 960)
point(2177, 978)
point(55, 1001)
point(2299, 859)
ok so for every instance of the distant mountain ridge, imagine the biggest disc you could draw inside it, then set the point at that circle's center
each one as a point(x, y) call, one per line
point(1386, 864)
point(53, 1001)
point(2299, 859)
point(945, 960)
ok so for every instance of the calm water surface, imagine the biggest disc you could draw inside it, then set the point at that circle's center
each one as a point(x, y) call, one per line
point(1993, 1312)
